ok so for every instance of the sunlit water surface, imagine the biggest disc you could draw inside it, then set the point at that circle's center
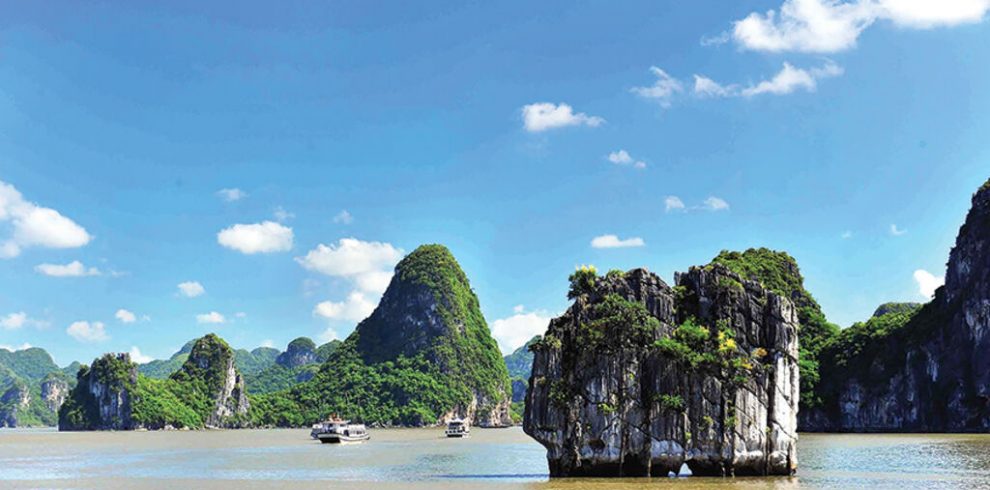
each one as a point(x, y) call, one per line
point(421, 458)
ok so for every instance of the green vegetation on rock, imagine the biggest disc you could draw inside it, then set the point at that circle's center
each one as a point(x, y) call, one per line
point(779, 272)
point(424, 351)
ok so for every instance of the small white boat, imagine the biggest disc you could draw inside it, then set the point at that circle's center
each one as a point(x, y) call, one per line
point(337, 431)
point(458, 428)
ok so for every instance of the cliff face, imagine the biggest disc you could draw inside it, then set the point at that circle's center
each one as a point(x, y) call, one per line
point(54, 390)
point(102, 397)
point(211, 368)
point(920, 369)
point(13, 401)
point(638, 378)
point(300, 352)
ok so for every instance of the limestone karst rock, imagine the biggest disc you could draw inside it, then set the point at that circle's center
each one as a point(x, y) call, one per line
point(919, 369)
point(102, 397)
point(637, 378)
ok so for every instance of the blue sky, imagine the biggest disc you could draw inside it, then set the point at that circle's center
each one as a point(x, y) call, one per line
point(849, 134)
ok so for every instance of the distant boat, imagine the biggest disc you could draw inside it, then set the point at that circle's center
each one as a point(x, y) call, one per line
point(337, 431)
point(458, 428)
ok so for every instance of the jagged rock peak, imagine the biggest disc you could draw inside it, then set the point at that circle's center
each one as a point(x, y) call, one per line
point(102, 397)
point(300, 352)
point(429, 310)
point(638, 378)
point(211, 361)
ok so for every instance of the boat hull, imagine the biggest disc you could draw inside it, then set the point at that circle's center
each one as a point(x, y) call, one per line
point(340, 439)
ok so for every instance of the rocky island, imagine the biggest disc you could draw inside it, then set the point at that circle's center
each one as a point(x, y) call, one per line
point(638, 378)
point(423, 357)
point(207, 391)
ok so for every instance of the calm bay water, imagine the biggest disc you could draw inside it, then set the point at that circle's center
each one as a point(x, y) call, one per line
point(421, 458)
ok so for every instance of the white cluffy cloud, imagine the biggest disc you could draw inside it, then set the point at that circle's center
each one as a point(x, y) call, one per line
point(35, 226)
point(343, 217)
point(88, 331)
point(895, 231)
point(545, 115)
point(788, 80)
point(622, 157)
point(673, 203)
point(355, 308)
point(613, 241)
point(281, 214)
point(20, 319)
point(211, 318)
point(231, 195)
point(191, 289)
point(715, 204)
point(712, 203)
point(368, 264)
point(264, 237)
point(514, 331)
point(125, 316)
point(138, 357)
point(828, 26)
point(72, 269)
point(927, 282)
point(662, 90)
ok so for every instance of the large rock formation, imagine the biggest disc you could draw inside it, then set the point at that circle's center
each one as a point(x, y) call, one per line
point(638, 378)
point(207, 391)
point(920, 370)
point(102, 397)
point(211, 363)
point(423, 357)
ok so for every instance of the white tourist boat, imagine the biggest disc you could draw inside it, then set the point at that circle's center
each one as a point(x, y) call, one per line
point(458, 428)
point(337, 431)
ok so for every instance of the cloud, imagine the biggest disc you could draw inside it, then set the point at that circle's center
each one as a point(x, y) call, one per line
point(231, 195)
point(720, 39)
point(12, 348)
point(846, 235)
point(138, 357)
point(343, 217)
point(125, 316)
point(368, 264)
point(895, 231)
point(518, 309)
point(927, 282)
point(516, 330)
point(545, 115)
point(282, 215)
point(673, 203)
point(14, 321)
point(715, 204)
point(88, 332)
point(612, 241)
point(211, 318)
point(72, 269)
point(355, 308)
point(828, 26)
point(706, 87)
point(35, 226)
point(264, 237)
point(622, 157)
point(267, 343)
point(191, 289)
point(662, 90)
point(789, 79)
point(328, 335)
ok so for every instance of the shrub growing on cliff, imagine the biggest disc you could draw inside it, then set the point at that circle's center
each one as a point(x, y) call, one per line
point(582, 281)
point(619, 322)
